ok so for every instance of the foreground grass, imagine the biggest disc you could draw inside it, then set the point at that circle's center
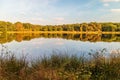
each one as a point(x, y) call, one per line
point(61, 67)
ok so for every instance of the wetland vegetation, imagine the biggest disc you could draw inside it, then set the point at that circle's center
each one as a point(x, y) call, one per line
point(61, 67)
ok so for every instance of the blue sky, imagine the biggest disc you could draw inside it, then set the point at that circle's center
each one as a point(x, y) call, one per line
point(60, 11)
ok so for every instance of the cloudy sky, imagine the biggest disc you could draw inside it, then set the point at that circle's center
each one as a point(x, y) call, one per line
point(60, 11)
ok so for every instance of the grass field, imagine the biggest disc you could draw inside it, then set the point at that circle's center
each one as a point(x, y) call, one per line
point(61, 67)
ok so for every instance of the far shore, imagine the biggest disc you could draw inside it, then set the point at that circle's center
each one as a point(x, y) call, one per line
point(63, 32)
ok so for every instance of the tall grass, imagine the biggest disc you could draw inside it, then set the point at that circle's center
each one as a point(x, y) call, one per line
point(61, 67)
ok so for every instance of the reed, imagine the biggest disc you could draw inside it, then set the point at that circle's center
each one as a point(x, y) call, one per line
point(61, 67)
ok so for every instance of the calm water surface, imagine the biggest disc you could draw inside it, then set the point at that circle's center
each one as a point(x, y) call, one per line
point(37, 45)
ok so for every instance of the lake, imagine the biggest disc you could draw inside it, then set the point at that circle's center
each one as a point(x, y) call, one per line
point(44, 44)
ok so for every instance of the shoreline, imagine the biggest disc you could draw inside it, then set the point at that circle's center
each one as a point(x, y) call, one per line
point(61, 32)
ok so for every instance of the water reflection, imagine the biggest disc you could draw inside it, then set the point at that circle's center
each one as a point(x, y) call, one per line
point(35, 45)
point(42, 46)
point(82, 37)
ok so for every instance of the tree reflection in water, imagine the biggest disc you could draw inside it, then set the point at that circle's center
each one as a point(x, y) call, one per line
point(4, 37)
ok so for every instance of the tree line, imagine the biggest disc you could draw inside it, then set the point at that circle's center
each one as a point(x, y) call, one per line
point(92, 26)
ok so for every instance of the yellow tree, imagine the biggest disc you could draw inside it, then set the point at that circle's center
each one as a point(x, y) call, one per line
point(19, 26)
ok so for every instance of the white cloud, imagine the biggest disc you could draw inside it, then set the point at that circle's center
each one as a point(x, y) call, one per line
point(110, 17)
point(59, 19)
point(106, 4)
point(44, 2)
point(38, 19)
point(59, 43)
point(115, 10)
point(110, 0)
point(23, 13)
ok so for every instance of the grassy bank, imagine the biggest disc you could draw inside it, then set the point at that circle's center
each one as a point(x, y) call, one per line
point(61, 67)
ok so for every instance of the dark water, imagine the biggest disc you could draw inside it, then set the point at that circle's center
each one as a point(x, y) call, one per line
point(36, 45)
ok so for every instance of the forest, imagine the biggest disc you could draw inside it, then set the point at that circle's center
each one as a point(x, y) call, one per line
point(78, 27)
